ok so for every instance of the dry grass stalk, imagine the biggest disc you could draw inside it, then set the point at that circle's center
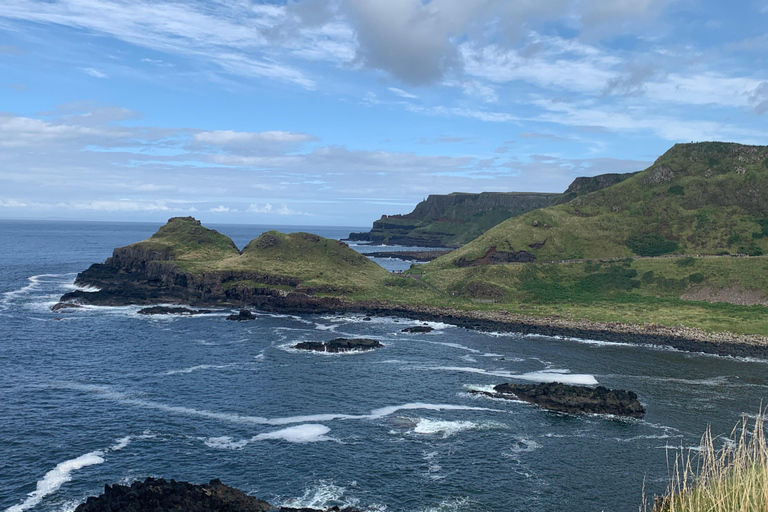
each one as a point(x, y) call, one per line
point(731, 479)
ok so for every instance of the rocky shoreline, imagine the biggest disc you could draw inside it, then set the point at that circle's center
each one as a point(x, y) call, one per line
point(681, 338)
point(160, 495)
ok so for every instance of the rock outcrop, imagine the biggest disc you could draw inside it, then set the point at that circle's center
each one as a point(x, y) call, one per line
point(566, 398)
point(166, 496)
point(243, 316)
point(166, 310)
point(339, 345)
point(418, 329)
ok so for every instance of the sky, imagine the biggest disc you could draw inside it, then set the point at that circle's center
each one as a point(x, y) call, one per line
point(334, 112)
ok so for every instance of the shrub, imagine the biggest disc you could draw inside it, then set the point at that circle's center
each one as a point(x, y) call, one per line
point(676, 190)
point(650, 244)
point(696, 278)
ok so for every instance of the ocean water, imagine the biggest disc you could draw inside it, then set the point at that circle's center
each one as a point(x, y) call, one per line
point(104, 395)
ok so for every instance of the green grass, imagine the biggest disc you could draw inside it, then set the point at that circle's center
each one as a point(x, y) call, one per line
point(697, 198)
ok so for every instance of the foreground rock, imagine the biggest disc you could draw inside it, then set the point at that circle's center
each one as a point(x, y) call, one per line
point(64, 306)
point(161, 495)
point(565, 398)
point(165, 310)
point(243, 316)
point(418, 329)
point(340, 345)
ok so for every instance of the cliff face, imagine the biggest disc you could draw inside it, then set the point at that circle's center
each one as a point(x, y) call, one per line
point(585, 185)
point(452, 220)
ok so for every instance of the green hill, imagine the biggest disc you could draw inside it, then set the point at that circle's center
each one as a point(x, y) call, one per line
point(452, 220)
point(702, 198)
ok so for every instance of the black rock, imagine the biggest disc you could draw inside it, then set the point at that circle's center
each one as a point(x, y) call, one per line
point(64, 306)
point(566, 398)
point(165, 310)
point(339, 345)
point(243, 316)
point(418, 329)
point(367, 319)
point(171, 496)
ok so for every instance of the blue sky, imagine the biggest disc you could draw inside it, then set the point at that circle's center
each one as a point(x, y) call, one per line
point(334, 112)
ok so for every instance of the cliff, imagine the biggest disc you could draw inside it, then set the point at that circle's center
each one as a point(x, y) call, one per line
point(452, 220)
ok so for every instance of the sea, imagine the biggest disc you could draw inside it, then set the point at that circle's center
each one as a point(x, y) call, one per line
point(103, 395)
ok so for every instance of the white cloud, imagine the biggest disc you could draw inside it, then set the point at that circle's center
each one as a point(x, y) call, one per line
point(93, 72)
point(402, 93)
point(232, 138)
point(219, 209)
point(267, 208)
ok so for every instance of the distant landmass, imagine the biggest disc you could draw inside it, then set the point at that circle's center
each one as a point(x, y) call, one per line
point(455, 219)
point(669, 255)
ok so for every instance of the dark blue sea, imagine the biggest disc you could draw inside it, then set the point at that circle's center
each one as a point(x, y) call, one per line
point(104, 395)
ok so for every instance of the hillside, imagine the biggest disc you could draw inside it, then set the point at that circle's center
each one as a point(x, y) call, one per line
point(699, 198)
point(186, 262)
point(452, 220)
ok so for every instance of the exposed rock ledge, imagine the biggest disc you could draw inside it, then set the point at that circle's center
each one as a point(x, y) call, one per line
point(565, 398)
point(166, 496)
point(339, 345)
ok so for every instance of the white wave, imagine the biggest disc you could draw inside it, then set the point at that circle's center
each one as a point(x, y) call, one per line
point(323, 495)
point(521, 445)
point(309, 433)
point(121, 443)
point(116, 396)
point(468, 358)
point(554, 375)
point(446, 428)
point(452, 345)
point(224, 443)
point(259, 356)
point(451, 505)
point(35, 283)
point(202, 367)
point(57, 477)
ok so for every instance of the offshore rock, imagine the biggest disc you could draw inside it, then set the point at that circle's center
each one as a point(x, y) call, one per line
point(243, 316)
point(166, 496)
point(340, 345)
point(418, 329)
point(166, 310)
point(566, 398)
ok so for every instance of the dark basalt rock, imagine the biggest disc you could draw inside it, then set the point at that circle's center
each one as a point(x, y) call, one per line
point(166, 496)
point(243, 316)
point(165, 310)
point(418, 329)
point(566, 398)
point(340, 345)
point(64, 306)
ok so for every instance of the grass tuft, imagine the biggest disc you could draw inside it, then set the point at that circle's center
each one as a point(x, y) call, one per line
point(731, 479)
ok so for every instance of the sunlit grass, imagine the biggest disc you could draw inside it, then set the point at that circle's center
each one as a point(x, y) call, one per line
point(731, 479)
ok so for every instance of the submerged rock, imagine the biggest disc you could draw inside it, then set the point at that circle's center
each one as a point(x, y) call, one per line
point(567, 398)
point(339, 345)
point(166, 310)
point(243, 316)
point(418, 329)
point(165, 496)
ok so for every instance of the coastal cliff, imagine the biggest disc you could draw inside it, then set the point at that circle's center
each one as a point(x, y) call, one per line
point(451, 220)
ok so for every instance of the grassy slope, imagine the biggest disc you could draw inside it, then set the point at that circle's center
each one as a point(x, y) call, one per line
point(458, 224)
point(318, 262)
point(189, 242)
point(705, 198)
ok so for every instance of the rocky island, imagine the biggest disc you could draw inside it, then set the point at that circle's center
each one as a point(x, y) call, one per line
point(339, 345)
point(566, 398)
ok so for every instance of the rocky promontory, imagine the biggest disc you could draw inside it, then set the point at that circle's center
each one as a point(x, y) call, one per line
point(339, 345)
point(566, 398)
point(161, 495)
